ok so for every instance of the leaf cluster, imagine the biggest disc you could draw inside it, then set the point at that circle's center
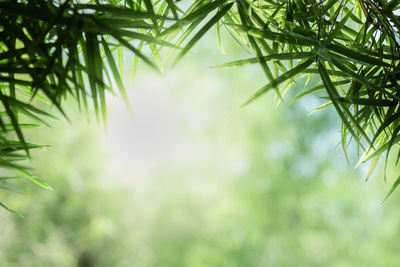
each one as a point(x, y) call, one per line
point(352, 48)
point(51, 50)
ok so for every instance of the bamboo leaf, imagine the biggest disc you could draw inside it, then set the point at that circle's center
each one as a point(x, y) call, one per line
point(270, 57)
point(116, 75)
point(394, 186)
point(291, 73)
point(202, 31)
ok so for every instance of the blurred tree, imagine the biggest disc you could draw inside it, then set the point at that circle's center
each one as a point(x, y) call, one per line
point(245, 201)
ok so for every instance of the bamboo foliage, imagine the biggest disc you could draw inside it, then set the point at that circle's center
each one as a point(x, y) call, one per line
point(51, 50)
point(352, 47)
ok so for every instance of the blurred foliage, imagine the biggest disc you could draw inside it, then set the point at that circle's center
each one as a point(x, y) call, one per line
point(267, 193)
point(51, 50)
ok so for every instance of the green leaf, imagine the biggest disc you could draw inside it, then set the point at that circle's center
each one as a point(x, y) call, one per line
point(122, 12)
point(116, 75)
point(193, 16)
point(372, 167)
point(361, 79)
point(345, 113)
point(359, 57)
point(11, 178)
point(394, 186)
point(33, 179)
point(135, 51)
point(368, 101)
point(315, 89)
point(285, 76)
point(202, 31)
point(270, 57)
point(218, 34)
point(10, 210)
point(338, 28)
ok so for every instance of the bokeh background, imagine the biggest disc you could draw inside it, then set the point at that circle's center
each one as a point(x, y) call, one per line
point(190, 179)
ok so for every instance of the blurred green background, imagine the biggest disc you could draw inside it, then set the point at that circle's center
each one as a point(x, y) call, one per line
point(192, 180)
